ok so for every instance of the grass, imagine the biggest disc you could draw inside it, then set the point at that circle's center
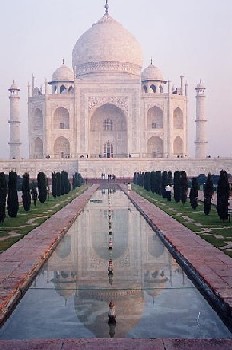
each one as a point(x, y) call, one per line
point(209, 227)
point(13, 229)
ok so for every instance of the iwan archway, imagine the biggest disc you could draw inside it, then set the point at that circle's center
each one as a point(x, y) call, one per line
point(108, 133)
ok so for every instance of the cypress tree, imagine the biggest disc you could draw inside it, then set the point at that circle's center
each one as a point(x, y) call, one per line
point(177, 188)
point(170, 181)
point(3, 194)
point(26, 192)
point(153, 181)
point(223, 194)
point(164, 183)
point(12, 199)
point(42, 187)
point(54, 184)
point(208, 193)
point(158, 180)
point(193, 196)
point(184, 186)
point(58, 184)
point(147, 181)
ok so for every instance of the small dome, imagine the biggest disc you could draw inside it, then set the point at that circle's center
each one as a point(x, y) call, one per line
point(63, 73)
point(200, 85)
point(152, 73)
point(107, 47)
point(14, 87)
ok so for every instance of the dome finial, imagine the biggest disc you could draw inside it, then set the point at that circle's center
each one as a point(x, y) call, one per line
point(107, 8)
point(63, 60)
point(151, 61)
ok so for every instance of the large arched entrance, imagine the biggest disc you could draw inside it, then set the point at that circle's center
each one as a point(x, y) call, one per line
point(108, 133)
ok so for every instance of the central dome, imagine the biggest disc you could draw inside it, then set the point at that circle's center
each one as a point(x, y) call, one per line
point(107, 47)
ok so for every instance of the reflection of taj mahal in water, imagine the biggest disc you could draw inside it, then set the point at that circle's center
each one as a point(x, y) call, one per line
point(107, 106)
point(140, 262)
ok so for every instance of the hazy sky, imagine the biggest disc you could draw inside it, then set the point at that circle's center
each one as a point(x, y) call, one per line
point(185, 37)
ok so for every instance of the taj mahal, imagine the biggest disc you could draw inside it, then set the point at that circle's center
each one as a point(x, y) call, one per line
point(108, 114)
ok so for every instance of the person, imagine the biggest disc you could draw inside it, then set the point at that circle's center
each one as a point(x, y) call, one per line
point(112, 312)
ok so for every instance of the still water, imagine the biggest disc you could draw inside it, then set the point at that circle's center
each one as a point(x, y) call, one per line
point(153, 297)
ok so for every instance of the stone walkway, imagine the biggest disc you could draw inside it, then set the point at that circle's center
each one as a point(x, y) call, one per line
point(211, 269)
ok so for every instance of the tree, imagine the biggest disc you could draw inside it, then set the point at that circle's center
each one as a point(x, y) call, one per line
point(42, 186)
point(164, 183)
point(193, 196)
point(12, 199)
point(208, 194)
point(3, 194)
point(65, 185)
point(147, 181)
point(26, 192)
point(177, 188)
point(54, 184)
point(223, 194)
point(153, 181)
point(183, 186)
point(158, 179)
point(58, 184)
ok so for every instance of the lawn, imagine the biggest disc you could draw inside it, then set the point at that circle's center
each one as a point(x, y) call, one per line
point(13, 229)
point(209, 227)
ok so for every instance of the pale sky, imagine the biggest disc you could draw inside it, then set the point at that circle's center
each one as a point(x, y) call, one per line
point(184, 37)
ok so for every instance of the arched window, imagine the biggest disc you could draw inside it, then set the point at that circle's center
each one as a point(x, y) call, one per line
point(178, 122)
point(37, 120)
point(108, 125)
point(62, 148)
point(155, 147)
point(61, 118)
point(153, 87)
point(155, 118)
point(63, 89)
point(178, 146)
point(38, 148)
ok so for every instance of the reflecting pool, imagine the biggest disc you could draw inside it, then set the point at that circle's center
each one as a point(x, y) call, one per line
point(111, 254)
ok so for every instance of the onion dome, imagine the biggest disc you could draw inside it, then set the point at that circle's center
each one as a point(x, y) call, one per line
point(152, 73)
point(107, 47)
point(13, 87)
point(63, 74)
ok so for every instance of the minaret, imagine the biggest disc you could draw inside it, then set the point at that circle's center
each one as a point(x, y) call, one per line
point(201, 122)
point(14, 122)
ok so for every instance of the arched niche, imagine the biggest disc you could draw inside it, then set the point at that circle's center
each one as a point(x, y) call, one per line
point(155, 147)
point(37, 120)
point(155, 118)
point(61, 118)
point(38, 148)
point(178, 148)
point(62, 147)
point(178, 122)
point(108, 125)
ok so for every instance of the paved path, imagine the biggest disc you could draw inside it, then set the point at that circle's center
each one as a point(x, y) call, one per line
point(212, 269)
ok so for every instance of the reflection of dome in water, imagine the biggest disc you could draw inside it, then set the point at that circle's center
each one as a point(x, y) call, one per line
point(65, 283)
point(92, 309)
point(155, 246)
point(64, 248)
